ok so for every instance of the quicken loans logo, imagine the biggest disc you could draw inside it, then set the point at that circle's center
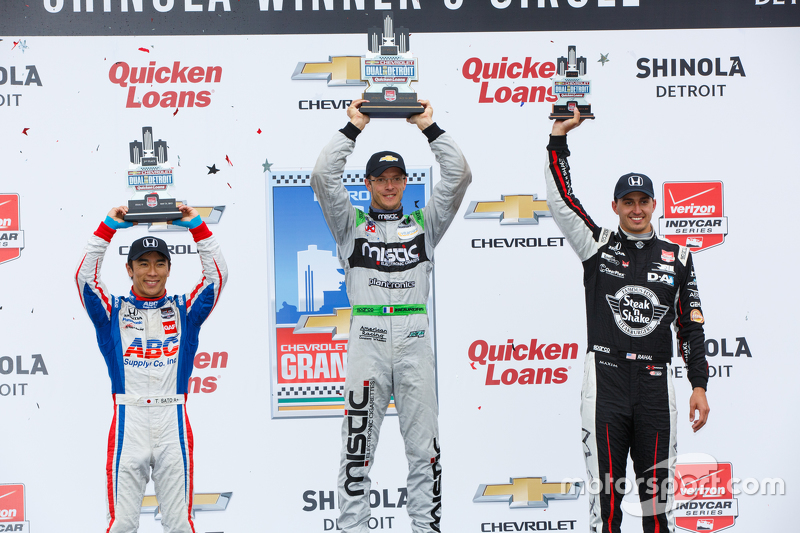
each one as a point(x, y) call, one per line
point(167, 79)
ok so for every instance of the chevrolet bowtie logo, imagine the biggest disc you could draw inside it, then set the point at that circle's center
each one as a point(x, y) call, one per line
point(388, 158)
point(209, 214)
point(337, 323)
point(338, 71)
point(512, 209)
point(528, 492)
point(217, 501)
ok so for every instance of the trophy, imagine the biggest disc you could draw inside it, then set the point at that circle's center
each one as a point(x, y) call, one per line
point(570, 87)
point(150, 175)
point(389, 69)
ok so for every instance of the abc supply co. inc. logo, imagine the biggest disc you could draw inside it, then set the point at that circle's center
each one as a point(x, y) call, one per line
point(12, 239)
point(693, 214)
point(12, 508)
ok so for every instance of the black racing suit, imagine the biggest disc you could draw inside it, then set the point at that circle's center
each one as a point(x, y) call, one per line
point(635, 289)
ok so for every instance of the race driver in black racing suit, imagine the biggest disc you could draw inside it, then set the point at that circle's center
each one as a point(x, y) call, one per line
point(637, 285)
point(387, 257)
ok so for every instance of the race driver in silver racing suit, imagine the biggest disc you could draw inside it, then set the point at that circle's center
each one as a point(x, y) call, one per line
point(387, 257)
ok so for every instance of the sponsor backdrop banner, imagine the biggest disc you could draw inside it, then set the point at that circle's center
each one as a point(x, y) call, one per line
point(236, 99)
point(270, 17)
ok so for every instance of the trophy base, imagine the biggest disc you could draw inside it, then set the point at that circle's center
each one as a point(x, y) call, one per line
point(151, 208)
point(391, 104)
point(563, 112)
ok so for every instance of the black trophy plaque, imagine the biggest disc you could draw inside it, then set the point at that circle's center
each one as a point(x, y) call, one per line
point(150, 175)
point(571, 87)
point(389, 68)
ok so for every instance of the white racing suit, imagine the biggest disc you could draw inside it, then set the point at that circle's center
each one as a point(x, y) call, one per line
point(387, 270)
point(149, 347)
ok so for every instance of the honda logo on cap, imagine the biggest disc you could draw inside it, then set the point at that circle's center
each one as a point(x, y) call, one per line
point(635, 181)
point(150, 243)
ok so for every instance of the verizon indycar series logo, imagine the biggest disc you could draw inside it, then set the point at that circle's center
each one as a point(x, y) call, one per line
point(693, 214)
point(12, 508)
point(704, 499)
point(12, 238)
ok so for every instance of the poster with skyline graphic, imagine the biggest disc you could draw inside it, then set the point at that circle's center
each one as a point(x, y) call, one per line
point(310, 311)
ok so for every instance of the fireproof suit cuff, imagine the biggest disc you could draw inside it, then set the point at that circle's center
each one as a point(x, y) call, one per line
point(200, 232)
point(105, 232)
point(350, 131)
point(191, 224)
point(113, 224)
point(432, 132)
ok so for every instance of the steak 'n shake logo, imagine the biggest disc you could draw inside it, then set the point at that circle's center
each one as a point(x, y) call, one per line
point(704, 497)
point(636, 309)
point(12, 239)
point(693, 214)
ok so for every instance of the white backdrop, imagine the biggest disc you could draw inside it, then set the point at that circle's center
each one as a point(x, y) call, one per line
point(70, 167)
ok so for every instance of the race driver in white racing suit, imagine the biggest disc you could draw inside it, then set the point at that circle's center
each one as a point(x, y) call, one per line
point(387, 257)
point(637, 286)
point(148, 341)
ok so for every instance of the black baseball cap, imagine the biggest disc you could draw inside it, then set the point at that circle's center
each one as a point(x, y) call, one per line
point(380, 161)
point(147, 244)
point(633, 182)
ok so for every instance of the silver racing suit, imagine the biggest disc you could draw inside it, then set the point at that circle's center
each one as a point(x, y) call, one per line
point(387, 267)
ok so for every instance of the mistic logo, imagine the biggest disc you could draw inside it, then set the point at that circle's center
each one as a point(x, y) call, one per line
point(703, 497)
point(693, 214)
point(12, 239)
point(359, 416)
point(528, 492)
point(512, 209)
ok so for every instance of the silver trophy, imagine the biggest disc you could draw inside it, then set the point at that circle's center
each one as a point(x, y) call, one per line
point(388, 68)
point(150, 176)
point(571, 87)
